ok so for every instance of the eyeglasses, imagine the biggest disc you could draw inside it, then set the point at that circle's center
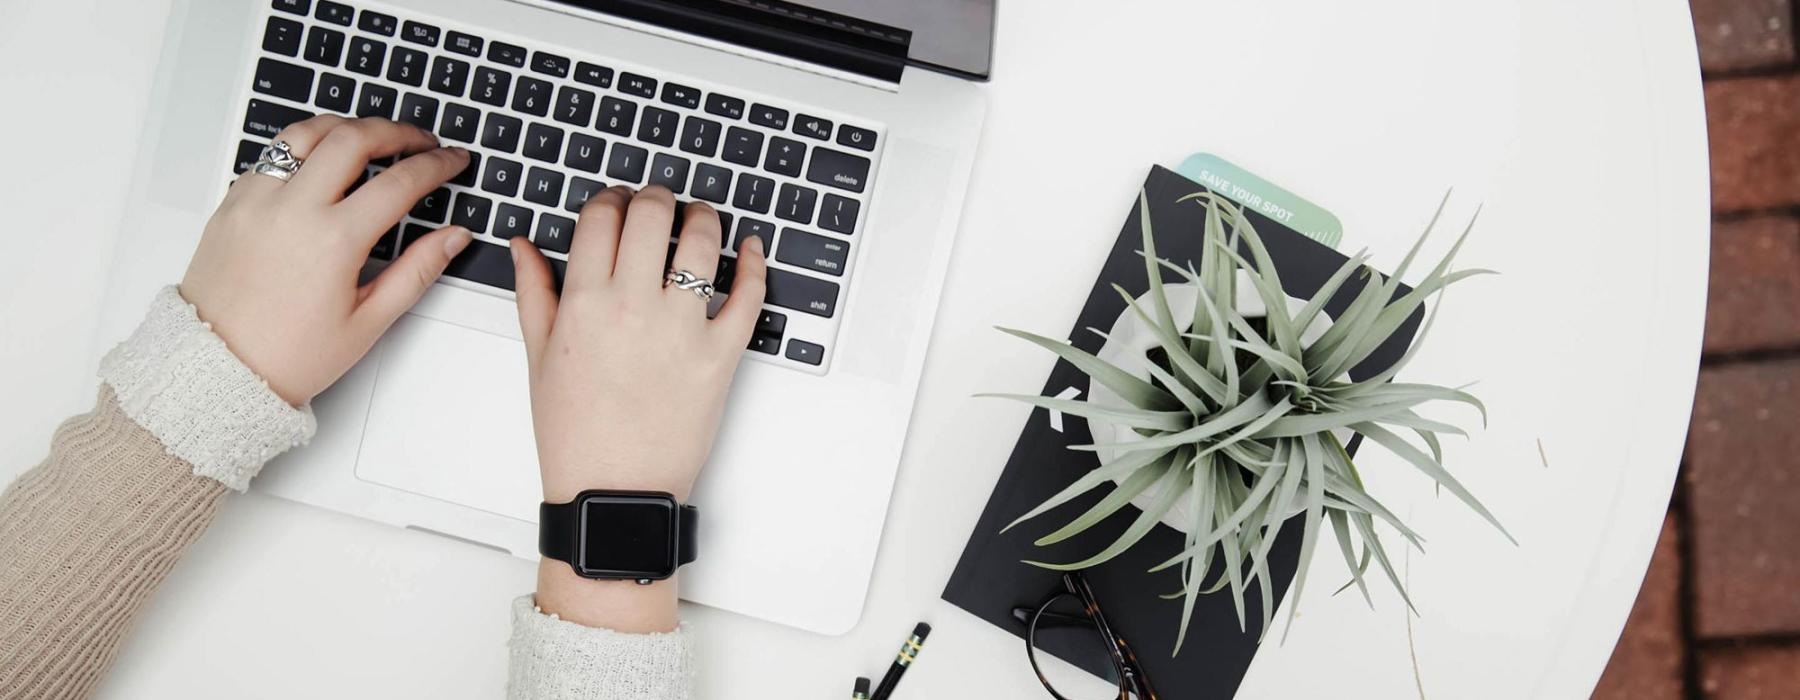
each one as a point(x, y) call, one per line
point(1069, 624)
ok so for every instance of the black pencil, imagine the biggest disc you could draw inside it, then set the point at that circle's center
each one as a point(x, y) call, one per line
point(909, 651)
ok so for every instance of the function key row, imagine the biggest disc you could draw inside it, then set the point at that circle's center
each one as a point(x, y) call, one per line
point(324, 46)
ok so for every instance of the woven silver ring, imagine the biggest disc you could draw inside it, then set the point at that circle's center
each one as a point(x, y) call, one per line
point(277, 161)
point(700, 286)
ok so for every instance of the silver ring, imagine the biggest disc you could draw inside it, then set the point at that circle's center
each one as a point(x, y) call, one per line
point(277, 161)
point(700, 286)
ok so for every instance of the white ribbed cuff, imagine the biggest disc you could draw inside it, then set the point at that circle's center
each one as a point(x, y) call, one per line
point(176, 378)
point(554, 659)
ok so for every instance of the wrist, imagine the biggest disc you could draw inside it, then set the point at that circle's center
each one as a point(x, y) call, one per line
point(622, 606)
point(563, 481)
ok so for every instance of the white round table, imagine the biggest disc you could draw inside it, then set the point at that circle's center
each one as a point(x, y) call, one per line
point(1579, 126)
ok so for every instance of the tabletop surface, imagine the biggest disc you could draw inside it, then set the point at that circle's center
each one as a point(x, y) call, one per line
point(1577, 127)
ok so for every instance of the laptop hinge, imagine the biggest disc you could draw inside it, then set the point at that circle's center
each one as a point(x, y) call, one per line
point(782, 28)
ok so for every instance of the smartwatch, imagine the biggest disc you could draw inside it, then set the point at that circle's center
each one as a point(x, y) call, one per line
point(641, 536)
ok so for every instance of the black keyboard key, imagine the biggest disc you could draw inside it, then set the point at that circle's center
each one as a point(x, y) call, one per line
point(856, 137)
point(419, 33)
point(802, 351)
point(298, 7)
point(377, 23)
point(466, 178)
point(616, 116)
point(838, 169)
point(681, 95)
point(449, 76)
point(509, 54)
point(484, 263)
point(543, 186)
point(626, 162)
point(784, 156)
point(791, 290)
point(700, 136)
point(725, 220)
point(376, 101)
point(419, 110)
point(433, 207)
point(669, 171)
point(248, 152)
point(384, 246)
point(460, 123)
point(543, 142)
point(634, 84)
point(366, 56)
point(336, 93)
point(754, 193)
point(813, 252)
point(808, 125)
point(727, 273)
point(772, 117)
point(574, 106)
point(334, 12)
point(771, 322)
point(795, 203)
point(743, 146)
point(592, 74)
point(407, 66)
point(501, 132)
point(711, 183)
point(765, 343)
point(748, 227)
point(550, 64)
point(491, 86)
point(465, 44)
point(284, 80)
point(413, 232)
point(658, 126)
point(324, 46)
point(501, 177)
point(471, 212)
point(511, 220)
point(266, 119)
point(725, 106)
point(532, 96)
point(581, 190)
point(282, 35)
point(554, 233)
point(838, 214)
point(584, 152)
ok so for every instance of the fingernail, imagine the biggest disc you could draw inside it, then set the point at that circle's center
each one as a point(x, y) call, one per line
point(755, 243)
point(457, 240)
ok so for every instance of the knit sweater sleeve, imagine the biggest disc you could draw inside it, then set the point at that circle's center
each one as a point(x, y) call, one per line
point(88, 535)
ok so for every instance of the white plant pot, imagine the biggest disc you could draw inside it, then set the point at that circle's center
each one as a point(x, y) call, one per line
point(1128, 341)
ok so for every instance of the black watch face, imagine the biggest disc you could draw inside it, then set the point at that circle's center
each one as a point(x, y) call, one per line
point(628, 536)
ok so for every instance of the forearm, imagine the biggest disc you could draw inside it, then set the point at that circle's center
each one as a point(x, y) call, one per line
point(86, 537)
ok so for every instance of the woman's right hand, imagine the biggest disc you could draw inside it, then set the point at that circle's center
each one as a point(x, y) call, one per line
point(628, 377)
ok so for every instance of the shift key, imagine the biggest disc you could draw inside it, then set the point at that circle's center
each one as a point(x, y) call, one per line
point(801, 293)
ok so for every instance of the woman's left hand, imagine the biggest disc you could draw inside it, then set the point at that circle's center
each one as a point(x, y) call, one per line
point(276, 271)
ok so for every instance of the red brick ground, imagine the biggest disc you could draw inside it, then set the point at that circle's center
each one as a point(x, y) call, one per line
point(1719, 613)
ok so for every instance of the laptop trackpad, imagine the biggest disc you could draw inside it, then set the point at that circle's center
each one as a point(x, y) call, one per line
point(451, 419)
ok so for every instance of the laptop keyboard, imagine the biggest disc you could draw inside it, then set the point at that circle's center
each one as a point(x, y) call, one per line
point(547, 128)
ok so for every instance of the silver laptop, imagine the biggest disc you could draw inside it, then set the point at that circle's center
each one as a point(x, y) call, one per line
point(841, 132)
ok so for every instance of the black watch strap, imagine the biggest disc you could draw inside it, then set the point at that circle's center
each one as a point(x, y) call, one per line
point(559, 535)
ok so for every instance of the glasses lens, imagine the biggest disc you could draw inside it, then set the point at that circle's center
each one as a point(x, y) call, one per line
point(1070, 654)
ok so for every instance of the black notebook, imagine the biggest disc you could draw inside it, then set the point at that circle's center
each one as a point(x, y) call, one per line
point(990, 579)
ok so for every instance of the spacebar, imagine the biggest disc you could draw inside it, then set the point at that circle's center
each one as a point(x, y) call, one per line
point(485, 263)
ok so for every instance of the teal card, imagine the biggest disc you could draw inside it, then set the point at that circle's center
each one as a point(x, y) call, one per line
point(1263, 197)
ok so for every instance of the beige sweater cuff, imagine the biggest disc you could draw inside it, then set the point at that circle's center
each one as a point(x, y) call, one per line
point(176, 378)
point(554, 659)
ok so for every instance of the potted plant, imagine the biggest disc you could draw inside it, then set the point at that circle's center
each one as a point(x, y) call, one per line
point(1222, 407)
